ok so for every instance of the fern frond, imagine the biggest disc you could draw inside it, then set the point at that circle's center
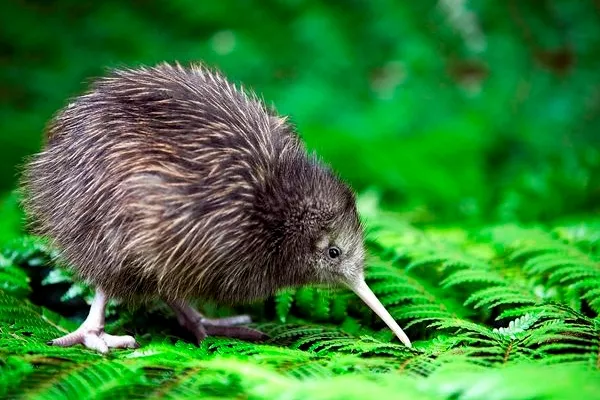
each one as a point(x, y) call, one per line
point(471, 300)
point(32, 250)
point(518, 326)
point(584, 235)
point(14, 280)
point(469, 276)
point(284, 300)
point(13, 370)
point(499, 295)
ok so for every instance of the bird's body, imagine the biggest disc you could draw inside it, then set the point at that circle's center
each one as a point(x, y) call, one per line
point(171, 183)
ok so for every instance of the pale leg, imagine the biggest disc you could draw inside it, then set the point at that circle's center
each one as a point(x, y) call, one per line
point(201, 327)
point(91, 332)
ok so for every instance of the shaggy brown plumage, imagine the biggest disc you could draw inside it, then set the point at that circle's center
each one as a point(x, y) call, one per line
point(169, 182)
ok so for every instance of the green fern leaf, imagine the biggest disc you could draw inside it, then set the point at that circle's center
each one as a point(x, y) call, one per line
point(283, 303)
point(499, 295)
point(518, 326)
point(468, 276)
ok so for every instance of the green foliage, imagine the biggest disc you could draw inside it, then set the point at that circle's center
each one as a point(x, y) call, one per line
point(491, 310)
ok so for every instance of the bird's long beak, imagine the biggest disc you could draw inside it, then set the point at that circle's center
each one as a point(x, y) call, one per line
point(364, 292)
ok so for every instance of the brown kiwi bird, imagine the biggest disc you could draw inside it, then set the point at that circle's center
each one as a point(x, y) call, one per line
point(169, 182)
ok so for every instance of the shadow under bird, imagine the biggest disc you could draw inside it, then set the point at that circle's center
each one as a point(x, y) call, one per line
point(169, 182)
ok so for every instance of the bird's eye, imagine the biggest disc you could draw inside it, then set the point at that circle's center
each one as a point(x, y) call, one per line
point(334, 252)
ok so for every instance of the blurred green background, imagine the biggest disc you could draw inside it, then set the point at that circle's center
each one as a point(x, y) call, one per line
point(450, 109)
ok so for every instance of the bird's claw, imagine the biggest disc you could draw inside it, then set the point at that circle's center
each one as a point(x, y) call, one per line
point(95, 339)
point(237, 332)
point(202, 327)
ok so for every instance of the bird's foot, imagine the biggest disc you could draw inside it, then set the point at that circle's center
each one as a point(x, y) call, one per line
point(229, 327)
point(95, 339)
point(201, 327)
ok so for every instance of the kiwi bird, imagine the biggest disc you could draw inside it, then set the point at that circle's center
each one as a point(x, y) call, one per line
point(169, 182)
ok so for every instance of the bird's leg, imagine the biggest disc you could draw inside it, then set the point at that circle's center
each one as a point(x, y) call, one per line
point(201, 327)
point(91, 332)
